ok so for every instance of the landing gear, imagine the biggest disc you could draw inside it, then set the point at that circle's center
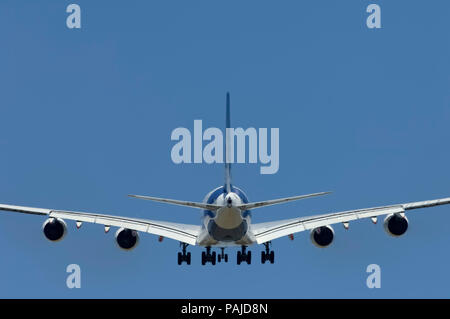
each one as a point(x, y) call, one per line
point(222, 256)
point(183, 256)
point(268, 254)
point(208, 256)
point(243, 255)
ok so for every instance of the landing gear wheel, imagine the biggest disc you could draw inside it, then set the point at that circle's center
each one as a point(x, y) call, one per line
point(222, 256)
point(183, 256)
point(188, 258)
point(203, 258)
point(267, 255)
point(207, 256)
point(243, 255)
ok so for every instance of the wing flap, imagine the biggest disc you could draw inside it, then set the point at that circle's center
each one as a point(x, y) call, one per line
point(25, 209)
point(182, 232)
point(268, 231)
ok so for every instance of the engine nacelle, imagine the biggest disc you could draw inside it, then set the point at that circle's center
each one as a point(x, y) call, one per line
point(322, 236)
point(395, 225)
point(54, 229)
point(127, 239)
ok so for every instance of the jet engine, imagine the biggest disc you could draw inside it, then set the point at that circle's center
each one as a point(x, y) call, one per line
point(322, 236)
point(395, 224)
point(127, 239)
point(54, 229)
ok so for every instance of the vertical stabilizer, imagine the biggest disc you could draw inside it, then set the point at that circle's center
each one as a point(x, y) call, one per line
point(228, 151)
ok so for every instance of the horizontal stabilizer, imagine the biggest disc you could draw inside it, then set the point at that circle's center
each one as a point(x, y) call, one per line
point(278, 201)
point(178, 202)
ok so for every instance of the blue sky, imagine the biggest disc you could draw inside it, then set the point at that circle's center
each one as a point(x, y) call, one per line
point(86, 117)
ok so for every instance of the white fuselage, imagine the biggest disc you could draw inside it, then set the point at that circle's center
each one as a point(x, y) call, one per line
point(229, 225)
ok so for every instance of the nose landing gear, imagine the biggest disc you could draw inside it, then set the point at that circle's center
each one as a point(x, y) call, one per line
point(183, 256)
point(243, 255)
point(222, 256)
point(268, 254)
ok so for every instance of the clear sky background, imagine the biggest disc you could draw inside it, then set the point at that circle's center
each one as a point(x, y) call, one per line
point(86, 117)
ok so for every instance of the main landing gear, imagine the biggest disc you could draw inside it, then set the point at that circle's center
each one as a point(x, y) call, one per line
point(208, 256)
point(222, 256)
point(268, 254)
point(243, 255)
point(183, 256)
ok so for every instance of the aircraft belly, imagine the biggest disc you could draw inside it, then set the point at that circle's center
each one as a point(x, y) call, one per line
point(228, 218)
point(227, 235)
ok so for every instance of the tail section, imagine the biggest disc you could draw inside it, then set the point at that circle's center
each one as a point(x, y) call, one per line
point(228, 152)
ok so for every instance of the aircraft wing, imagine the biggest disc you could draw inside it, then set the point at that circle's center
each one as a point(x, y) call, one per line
point(265, 232)
point(181, 232)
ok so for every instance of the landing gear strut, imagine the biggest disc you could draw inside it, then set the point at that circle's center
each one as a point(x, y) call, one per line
point(243, 255)
point(268, 254)
point(222, 256)
point(208, 256)
point(183, 256)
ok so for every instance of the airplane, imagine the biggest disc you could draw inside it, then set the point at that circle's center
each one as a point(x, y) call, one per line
point(226, 222)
